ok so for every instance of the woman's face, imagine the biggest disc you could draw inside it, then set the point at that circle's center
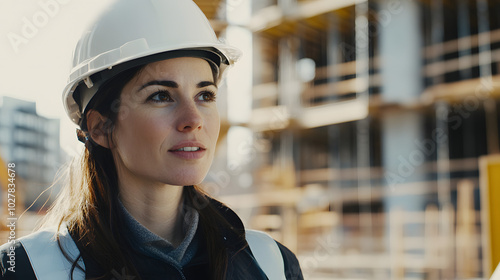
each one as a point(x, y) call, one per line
point(168, 124)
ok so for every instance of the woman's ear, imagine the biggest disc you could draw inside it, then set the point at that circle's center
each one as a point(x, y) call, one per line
point(98, 127)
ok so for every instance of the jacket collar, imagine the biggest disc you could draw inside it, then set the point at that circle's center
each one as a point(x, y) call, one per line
point(234, 236)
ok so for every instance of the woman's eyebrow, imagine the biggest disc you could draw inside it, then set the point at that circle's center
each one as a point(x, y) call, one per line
point(206, 84)
point(173, 84)
point(170, 84)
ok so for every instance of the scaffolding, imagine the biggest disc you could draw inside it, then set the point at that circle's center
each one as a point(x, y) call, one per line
point(374, 115)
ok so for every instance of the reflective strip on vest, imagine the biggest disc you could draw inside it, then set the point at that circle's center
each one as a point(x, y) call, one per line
point(267, 253)
point(46, 258)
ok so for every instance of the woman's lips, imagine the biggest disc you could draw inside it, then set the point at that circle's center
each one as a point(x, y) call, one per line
point(188, 154)
point(188, 150)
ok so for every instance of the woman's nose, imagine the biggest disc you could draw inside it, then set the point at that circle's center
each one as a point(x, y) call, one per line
point(190, 118)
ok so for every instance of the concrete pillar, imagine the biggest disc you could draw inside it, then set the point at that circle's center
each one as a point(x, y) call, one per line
point(400, 51)
point(402, 130)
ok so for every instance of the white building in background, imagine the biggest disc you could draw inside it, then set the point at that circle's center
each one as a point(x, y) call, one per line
point(31, 142)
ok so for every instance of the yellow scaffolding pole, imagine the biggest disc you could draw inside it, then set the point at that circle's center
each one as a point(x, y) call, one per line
point(489, 170)
point(4, 176)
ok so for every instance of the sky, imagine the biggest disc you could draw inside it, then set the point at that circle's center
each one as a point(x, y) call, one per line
point(37, 38)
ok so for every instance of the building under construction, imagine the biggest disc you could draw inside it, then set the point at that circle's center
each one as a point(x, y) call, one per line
point(369, 145)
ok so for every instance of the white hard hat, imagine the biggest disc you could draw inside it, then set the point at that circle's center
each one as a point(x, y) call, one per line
point(135, 32)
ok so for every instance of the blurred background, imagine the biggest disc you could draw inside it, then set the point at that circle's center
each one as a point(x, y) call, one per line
point(362, 134)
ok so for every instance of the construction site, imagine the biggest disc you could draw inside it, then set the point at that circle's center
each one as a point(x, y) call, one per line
point(363, 135)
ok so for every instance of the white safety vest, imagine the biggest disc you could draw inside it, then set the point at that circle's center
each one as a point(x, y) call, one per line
point(49, 263)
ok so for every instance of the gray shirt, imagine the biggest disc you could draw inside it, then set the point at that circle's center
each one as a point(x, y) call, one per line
point(157, 247)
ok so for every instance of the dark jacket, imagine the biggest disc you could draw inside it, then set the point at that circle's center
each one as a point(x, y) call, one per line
point(242, 264)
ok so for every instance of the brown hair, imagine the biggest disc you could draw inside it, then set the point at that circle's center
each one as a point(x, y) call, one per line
point(88, 205)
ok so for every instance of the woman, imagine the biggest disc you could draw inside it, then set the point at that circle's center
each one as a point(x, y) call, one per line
point(143, 89)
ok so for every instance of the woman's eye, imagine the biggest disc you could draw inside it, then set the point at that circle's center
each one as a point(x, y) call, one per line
point(207, 96)
point(161, 96)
